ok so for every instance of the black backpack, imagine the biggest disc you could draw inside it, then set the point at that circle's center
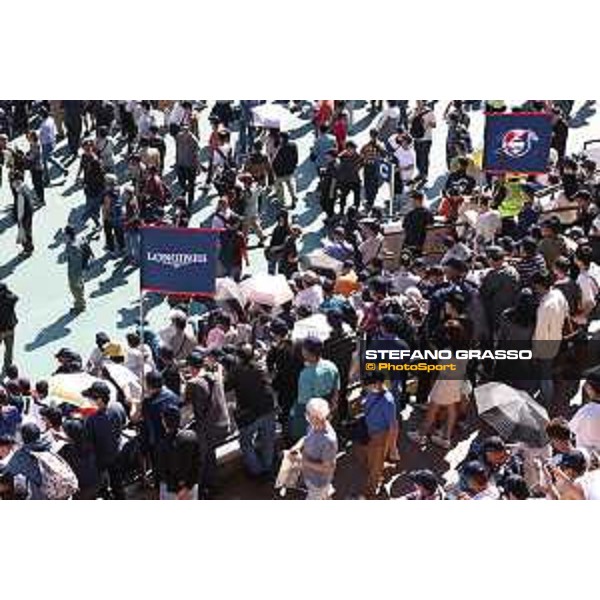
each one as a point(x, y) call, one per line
point(86, 255)
point(417, 127)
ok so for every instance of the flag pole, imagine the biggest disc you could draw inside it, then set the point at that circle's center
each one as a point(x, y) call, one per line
point(141, 311)
point(392, 189)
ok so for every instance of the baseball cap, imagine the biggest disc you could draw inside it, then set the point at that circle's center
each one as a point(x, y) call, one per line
point(196, 359)
point(425, 478)
point(98, 389)
point(113, 350)
point(279, 327)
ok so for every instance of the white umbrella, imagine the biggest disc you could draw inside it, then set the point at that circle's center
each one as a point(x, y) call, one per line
point(271, 290)
point(228, 289)
point(315, 326)
point(319, 259)
point(67, 388)
point(274, 116)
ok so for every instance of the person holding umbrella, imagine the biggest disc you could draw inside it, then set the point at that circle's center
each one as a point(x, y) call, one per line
point(585, 424)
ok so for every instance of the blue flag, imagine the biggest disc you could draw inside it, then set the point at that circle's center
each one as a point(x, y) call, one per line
point(385, 171)
point(517, 142)
point(179, 260)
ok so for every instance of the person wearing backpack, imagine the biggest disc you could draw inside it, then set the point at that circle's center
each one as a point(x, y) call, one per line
point(422, 122)
point(78, 256)
point(42, 473)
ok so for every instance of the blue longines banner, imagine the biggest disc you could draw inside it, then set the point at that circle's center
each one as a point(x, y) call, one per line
point(517, 142)
point(179, 260)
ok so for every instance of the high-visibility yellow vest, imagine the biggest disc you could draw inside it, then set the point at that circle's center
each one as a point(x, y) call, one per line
point(515, 198)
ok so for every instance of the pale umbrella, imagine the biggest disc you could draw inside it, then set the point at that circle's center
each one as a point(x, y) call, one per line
point(270, 290)
point(228, 289)
point(67, 388)
point(274, 116)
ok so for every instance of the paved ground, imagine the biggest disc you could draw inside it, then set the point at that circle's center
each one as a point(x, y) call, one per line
point(112, 288)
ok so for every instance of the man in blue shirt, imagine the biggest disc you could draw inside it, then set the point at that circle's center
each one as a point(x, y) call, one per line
point(379, 409)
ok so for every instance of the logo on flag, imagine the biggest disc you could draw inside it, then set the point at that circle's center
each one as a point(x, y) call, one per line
point(517, 142)
point(179, 260)
point(385, 171)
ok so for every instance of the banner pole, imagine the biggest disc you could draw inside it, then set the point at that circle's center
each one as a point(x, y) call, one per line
point(141, 311)
point(392, 189)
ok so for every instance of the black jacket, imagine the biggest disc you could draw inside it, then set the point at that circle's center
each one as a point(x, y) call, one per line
point(104, 431)
point(81, 458)
point(285, 160)
point(178, 460)
point(253, 393)
point(8, 317)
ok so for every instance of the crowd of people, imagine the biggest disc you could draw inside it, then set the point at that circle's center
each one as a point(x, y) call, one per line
point(496, 259)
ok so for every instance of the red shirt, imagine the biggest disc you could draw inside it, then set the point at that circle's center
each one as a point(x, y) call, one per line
point(340, 130)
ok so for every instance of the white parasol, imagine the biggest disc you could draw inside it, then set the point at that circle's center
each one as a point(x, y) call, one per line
point(271, 290)
point(67, 388)
point(228, 289)
point(274, 116)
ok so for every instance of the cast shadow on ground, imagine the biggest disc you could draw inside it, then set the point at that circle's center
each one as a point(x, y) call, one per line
point(585, 112)
point(311, 213)
point(118, 278)
point(131, 316)
point(53, 332)
point(306, 173)
point(362, 123)
point(97, 267)
point(76, 187)
point(9, 267)
point(301, 131)
point(7, 221)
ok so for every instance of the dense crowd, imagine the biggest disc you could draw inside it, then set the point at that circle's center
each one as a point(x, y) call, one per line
point(496, 259)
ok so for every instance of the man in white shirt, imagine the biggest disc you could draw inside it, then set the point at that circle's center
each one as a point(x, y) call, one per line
point(588, 279)
point(403, 151)
point(585, 424)
point(47, 135)
point(487, 225)
point(552, 312)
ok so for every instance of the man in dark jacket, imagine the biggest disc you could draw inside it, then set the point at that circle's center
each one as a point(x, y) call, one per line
point(255, 412)
point(104, 429)
point(339, 349)
point(73, 111)
point(177, 459)
point(158, 397)
point(285, 162)
point(202, 393)
point(8, 322)
point(347, 175)
point(499, 287)
point(285, 362)
point(415, 224)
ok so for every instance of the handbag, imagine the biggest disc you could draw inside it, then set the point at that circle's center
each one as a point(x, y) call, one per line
point(359, 432)
point(274, 253)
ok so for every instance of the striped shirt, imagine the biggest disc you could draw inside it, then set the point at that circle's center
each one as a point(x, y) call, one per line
point(528, 266)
